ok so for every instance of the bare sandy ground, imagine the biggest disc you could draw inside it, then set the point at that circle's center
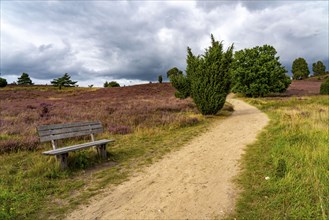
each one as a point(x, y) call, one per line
point(192, 183)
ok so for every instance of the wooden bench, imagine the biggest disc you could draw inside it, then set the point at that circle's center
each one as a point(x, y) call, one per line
point(61, 131)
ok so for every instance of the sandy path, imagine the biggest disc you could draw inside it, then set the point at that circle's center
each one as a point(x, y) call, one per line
point(192, 183)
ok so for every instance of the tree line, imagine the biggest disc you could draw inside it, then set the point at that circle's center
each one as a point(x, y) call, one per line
point(253, 72)
point(64, 81)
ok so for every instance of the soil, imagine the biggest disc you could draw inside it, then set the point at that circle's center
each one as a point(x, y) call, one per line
point(195, 182)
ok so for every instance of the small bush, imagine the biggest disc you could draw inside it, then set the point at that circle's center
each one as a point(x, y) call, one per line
point(111, 84)
point(324, 89)
point(3, 82)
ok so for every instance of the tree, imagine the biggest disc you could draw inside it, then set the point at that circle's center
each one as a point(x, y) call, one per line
point(318, 68)
point(111, 84)
point(258, 72)
point(207, 78)
point(174, 72)
point(3, 82)
point(160, 78)
point(63, 81)
point(300, 69)
point(24, 80)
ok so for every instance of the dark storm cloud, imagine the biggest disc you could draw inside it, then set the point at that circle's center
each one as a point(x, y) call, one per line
point(139, 40)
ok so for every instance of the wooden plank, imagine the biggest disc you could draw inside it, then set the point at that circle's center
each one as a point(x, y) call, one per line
point(68, 135)
point(69, 130)
point(68, 125)
point(76, 147)
point(101, 149)
point(63, 160)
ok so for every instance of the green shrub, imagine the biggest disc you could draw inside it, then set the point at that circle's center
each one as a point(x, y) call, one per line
point(324, 89)
point(111, 84)
point(3, 82)
point(182, 85)
point(207, 78)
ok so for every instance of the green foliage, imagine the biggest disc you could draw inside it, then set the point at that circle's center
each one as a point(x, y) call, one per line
point(174, 72)
point(7, 211)
point(207, 78)
point(281, 168)
point(24, 80)
point(63, 81)
point(258, 72)
point(111, 84)
point(3, 82)
point(182, 84)
point(318, 68)
point(160, 78)
point(324, 89)
point(300, 69)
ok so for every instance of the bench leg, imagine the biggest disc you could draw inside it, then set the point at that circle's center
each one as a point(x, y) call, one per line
point(62, 158)
point(101, 149)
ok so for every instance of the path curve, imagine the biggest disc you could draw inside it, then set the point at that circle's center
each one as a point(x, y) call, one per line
point(194, 182)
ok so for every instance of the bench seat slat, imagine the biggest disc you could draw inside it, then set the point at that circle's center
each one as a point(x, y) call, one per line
point(68, 125)
point(68, 135)
point(90, 128)
point(76, 147)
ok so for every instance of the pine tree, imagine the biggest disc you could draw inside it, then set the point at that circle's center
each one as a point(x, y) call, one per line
point(207, 78)
point(160, 78)
point(24, 80)
point(63, 81)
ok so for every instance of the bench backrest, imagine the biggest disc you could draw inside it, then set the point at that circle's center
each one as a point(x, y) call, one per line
point(61, 131)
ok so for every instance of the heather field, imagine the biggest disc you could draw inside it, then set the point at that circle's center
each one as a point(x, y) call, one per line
point(146, 121)
point(121, 110)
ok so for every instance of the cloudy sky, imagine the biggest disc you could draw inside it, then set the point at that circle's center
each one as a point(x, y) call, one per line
point(135, 41)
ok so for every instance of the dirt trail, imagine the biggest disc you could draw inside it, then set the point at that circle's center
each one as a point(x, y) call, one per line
point(192, 183)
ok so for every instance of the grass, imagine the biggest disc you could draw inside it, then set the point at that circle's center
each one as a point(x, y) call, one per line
point(146, 122)
point(286, 172)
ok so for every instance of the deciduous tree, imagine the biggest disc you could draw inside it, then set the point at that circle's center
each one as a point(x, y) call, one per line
point(258, 72)
point(318, 68)
point(3, 82)
point(300, 68)
point(174, 72)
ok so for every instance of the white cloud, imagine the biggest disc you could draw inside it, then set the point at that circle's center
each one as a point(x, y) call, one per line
point(137, 41)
